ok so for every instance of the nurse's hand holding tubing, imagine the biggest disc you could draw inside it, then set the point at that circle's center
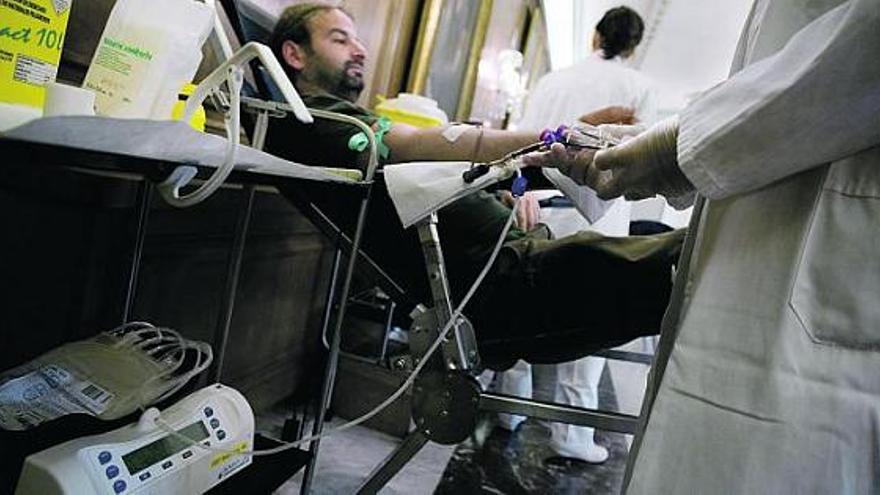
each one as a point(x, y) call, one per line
point(642, 165)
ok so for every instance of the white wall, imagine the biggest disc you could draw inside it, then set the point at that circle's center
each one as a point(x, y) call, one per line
point(560, 31)
point(690, 47)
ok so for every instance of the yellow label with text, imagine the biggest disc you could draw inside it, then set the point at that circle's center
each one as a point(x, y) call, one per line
point(235, 451)
point(31, 37)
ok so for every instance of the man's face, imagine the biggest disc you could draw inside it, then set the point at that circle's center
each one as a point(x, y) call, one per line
point(335, 59)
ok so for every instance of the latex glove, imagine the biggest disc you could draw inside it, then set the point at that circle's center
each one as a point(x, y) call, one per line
point(573, 162)
point(643, 166)
point(621, 133)
point(528, 213)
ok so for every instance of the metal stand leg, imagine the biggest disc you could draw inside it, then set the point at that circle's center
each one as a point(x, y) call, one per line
point(145, 194)
point(603, 420)
point(389, 318)
point(392, 464)
point(445, 396)
point(668, 335)
point(329, 301)
point(333, 357)
point(233, 270)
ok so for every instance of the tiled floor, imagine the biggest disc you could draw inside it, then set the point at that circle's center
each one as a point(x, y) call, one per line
point(492, 461)
point(521, 462)
point(347, 458)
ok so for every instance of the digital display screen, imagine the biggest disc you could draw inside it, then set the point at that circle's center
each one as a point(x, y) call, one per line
point(152, 453)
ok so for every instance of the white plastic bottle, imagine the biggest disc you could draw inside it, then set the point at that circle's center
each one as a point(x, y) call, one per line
point(149, 49)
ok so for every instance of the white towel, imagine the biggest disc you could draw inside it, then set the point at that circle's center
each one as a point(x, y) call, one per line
point(418, 189)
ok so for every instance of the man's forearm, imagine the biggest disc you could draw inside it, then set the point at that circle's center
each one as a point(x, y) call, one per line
point(476, 144)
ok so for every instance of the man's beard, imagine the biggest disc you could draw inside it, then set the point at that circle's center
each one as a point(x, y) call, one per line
point(350, 86)
point(340, 82)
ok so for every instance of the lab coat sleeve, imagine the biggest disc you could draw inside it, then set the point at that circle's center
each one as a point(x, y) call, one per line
point(815, 101)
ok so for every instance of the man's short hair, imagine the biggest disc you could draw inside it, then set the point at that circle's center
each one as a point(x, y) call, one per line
point(293, 25)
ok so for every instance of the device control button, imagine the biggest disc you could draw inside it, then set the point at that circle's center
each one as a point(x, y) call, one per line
point(167, 465)
point(187, 454)
point(112, 471)
point(215, 423)
point(221, 434)
point(104, 457)
point(145, 476)
point(119, 486)
point(208, 412)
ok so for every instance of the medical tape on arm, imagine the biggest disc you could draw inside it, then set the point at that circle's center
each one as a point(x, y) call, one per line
point(455, 131)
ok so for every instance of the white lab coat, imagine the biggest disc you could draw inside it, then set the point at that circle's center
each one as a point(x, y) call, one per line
point(773, 385)
point(561, 97)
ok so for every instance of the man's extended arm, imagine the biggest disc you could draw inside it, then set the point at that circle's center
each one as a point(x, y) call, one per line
point(408, 143)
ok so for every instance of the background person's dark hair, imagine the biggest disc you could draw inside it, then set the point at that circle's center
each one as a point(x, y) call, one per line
point(621, 30)
point(293, 25)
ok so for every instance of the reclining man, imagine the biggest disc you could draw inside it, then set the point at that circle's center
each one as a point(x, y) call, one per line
point(545, 300)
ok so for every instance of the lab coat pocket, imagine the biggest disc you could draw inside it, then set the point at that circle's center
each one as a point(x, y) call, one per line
point(836, 292)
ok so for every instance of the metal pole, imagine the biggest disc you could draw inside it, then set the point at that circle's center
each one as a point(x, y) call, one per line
point(387, 331)
point(233, 267)
point(603, 420)
point(393, 463)
point(233, 270)
point(331, 295)
point(145, 193)
point(668, 333)
point(333, 357)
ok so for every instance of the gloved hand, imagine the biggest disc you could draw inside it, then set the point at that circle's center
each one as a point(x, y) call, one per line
point(645, 165)
point(574, 161)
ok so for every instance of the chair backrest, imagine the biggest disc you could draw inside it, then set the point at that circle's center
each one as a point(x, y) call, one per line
point(254, 25)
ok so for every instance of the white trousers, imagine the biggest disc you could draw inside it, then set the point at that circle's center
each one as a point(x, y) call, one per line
point(574, 383)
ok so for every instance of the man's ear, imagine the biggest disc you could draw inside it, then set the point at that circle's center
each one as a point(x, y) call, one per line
point(294, 55)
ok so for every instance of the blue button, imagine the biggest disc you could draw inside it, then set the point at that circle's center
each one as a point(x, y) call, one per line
point(187, 454)
point(104, 457)
point(208, 412)
point(119, 486)
point(166, 465)
point(215, 423)
point(145, 476)
point(112, 472)
point(221, 434)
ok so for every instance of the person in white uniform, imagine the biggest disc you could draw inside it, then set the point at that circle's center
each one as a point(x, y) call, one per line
point(773, 385)
point(560, 96)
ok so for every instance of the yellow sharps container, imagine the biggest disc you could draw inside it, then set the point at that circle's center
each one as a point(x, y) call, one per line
point(415, 110)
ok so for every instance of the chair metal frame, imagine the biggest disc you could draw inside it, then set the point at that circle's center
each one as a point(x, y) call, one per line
point(446, 397)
